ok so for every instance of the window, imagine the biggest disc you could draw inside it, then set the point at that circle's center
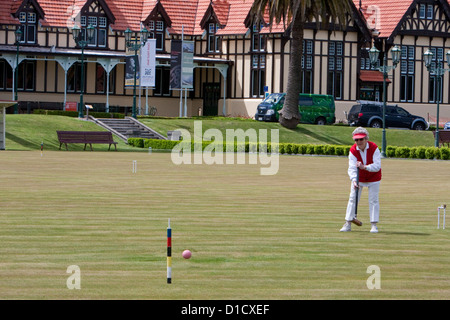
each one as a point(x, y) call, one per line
point(26, 76)
point(365, 60)
point(430, 11)
point(28, 22)
point(307, 66)
point(95, 16)
point(258, 40)
point(6, 76)
point(162, 82)
point(258, 75)
point(100, 34)
point(101, 77)
point(335, 69)
point(156, 31)
point(426, 11)
point(407, 62)
point(438, 58)
point(74, 77)
point(214, 43)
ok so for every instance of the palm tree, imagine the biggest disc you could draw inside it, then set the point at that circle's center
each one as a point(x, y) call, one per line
point(296, 13)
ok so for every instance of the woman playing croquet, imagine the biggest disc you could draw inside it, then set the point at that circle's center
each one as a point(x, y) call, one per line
point(364, 156)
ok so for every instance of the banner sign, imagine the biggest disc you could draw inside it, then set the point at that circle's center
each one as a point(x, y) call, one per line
point(175, 65)
point(148, 63)
point(187, 73)
point(131, 63)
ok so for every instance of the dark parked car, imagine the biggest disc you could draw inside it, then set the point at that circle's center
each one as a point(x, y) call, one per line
point(370, 114)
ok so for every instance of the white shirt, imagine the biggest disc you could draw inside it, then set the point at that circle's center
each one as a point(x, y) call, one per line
point(374, 167)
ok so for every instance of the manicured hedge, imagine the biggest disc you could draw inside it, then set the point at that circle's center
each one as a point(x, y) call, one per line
point(74, 114)
point(294, 148)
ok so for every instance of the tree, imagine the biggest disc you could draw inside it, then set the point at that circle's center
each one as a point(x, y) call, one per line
point(296, 13)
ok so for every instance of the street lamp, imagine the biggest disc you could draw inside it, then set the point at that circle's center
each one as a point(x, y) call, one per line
point(385, 69)
point(82, 43)
point(135, 45)
point(18, 34)
point(439, 71)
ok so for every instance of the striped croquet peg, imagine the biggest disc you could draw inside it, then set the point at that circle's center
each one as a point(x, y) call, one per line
point(169, 254)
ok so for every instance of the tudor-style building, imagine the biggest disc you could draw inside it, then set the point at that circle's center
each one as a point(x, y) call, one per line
point(234, 61)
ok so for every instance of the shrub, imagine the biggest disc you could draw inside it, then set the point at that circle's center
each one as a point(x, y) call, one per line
point(301, 149)
point(402, 152)
point(330, 150)
point(309, 149)
point(339, 150)
point(318, 149)
point(136, 142)
point(347, 150)
point(432, 152)
point(288, 148)
point(445, 153)
point(390, 151)
point(420, 152)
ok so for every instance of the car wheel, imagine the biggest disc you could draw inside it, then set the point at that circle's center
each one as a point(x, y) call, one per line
point(419, 126)
point(376, 124)
point(321, 121)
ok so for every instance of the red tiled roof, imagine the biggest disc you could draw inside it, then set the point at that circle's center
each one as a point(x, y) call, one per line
point(188, 14)
point(372, 76)
point(185, 14)
point(383, 15)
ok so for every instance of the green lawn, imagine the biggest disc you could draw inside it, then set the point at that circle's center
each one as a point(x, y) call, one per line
point(252, 236)
point(27, 132)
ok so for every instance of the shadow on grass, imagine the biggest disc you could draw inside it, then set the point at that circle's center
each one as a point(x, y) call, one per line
point(407, 233)
point(20, 141)
point(327, 139)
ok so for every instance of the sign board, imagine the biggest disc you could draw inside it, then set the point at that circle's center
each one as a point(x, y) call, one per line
point(71, 106)
point(175, 65)
point(132, 62)
point(148, 63)
point(187, 71)
point(182, 65)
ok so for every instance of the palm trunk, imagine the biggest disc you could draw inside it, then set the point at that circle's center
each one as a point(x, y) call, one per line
point(289, 115)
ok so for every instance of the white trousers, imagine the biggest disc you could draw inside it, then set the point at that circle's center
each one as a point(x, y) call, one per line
point(374, 205)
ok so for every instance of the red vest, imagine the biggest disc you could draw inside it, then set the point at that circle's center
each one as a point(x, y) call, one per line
point(364, 175)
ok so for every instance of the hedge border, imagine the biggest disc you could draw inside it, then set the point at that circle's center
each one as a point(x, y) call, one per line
point(308, 149)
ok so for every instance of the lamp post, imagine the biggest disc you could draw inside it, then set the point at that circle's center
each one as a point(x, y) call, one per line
point(385, 69)
point(135, 45)
point(82, 43)
point(18, 34)
point(439, 71)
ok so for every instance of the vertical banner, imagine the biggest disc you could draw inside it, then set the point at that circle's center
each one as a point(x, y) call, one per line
point(187, 73)
point(131, 63)
point(148, 63)
point(175, 65)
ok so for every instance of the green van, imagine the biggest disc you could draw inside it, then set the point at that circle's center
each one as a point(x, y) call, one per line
point(314, 108)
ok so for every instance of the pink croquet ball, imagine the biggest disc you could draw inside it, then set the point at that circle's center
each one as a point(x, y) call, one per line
point(187, 254)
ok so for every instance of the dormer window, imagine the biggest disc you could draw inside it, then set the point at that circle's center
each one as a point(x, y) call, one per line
point(94, 15)
point(100, 25)
point(28, 21)
point(258, 40)
point(213, 40)
point(157, 29)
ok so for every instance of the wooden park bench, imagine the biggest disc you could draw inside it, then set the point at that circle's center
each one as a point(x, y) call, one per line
point(444, 137)
point(86, 137)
